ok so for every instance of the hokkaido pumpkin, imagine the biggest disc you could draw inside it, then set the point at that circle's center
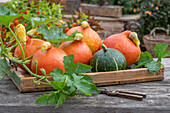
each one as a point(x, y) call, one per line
point(78, 48)
point(48, 58)
point(90, 37)
point(107, 59)
point(127, 43)
point(32, 45)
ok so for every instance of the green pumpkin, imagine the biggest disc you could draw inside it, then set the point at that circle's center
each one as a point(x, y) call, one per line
point(108, 59)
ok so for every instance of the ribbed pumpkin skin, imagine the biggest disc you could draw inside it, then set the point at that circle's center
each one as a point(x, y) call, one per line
point(49, 60)
point(32, 45)
point(90, 37)
point(110, 60)
point(79, 49)
point(122, 43)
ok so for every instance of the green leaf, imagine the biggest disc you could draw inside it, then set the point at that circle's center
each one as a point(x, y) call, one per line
point(57, 74)
point(4, 10)
point(147, 60)
point(166, 54)
point(51, 98)
point(6, 68)
point(68, 83)
point(87, 78)
point(38, 21)
point(61, 99)
point(5, 20)
point(145, 57)
point(84, 86)
point(57, 85)
point(153, 66)
point(54, 34)
point(71, 67)
point(160, 51)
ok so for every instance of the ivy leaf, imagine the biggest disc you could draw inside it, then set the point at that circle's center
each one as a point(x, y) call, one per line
point(54, 34)
point(71, 67)
point(6, 68)
point(145, 57)
point(153, 66)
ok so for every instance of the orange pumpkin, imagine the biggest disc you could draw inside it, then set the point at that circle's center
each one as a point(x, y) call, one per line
point(78, 28)
point(32, 45)
point(78, 48)
point(48, 59)
point(127, 43)
point(90, 37)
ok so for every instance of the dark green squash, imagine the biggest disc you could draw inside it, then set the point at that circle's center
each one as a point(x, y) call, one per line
point(108, 59)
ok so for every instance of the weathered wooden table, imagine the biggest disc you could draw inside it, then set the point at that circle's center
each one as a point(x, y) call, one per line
point(157, 100)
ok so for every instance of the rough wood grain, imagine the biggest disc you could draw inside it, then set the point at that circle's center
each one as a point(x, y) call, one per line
point(157, 100)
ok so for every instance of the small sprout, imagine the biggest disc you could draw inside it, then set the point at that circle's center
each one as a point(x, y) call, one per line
point(35, 62)
point(36, 81)
point(43, 71)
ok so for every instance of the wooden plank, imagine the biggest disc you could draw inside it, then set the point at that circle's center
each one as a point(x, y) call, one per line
point(111, 11)
point(26, 81)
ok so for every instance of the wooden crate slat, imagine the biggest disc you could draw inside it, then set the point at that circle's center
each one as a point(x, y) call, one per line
point(25, 82)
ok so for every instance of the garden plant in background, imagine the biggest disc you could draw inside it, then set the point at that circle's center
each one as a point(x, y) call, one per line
point(44, 12)
point(36, 10)
point(80, 17)
point(154, 13)
point(41, 9)
point(129, 7)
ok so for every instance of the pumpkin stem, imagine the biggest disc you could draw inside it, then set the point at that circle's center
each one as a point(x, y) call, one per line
point(31, 32)
point(134, 37)
point(78, 36)
point(45, 46)
point(104, 47)
point(84, 24)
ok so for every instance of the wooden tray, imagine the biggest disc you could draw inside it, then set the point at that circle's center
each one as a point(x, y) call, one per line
point(24, 82)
